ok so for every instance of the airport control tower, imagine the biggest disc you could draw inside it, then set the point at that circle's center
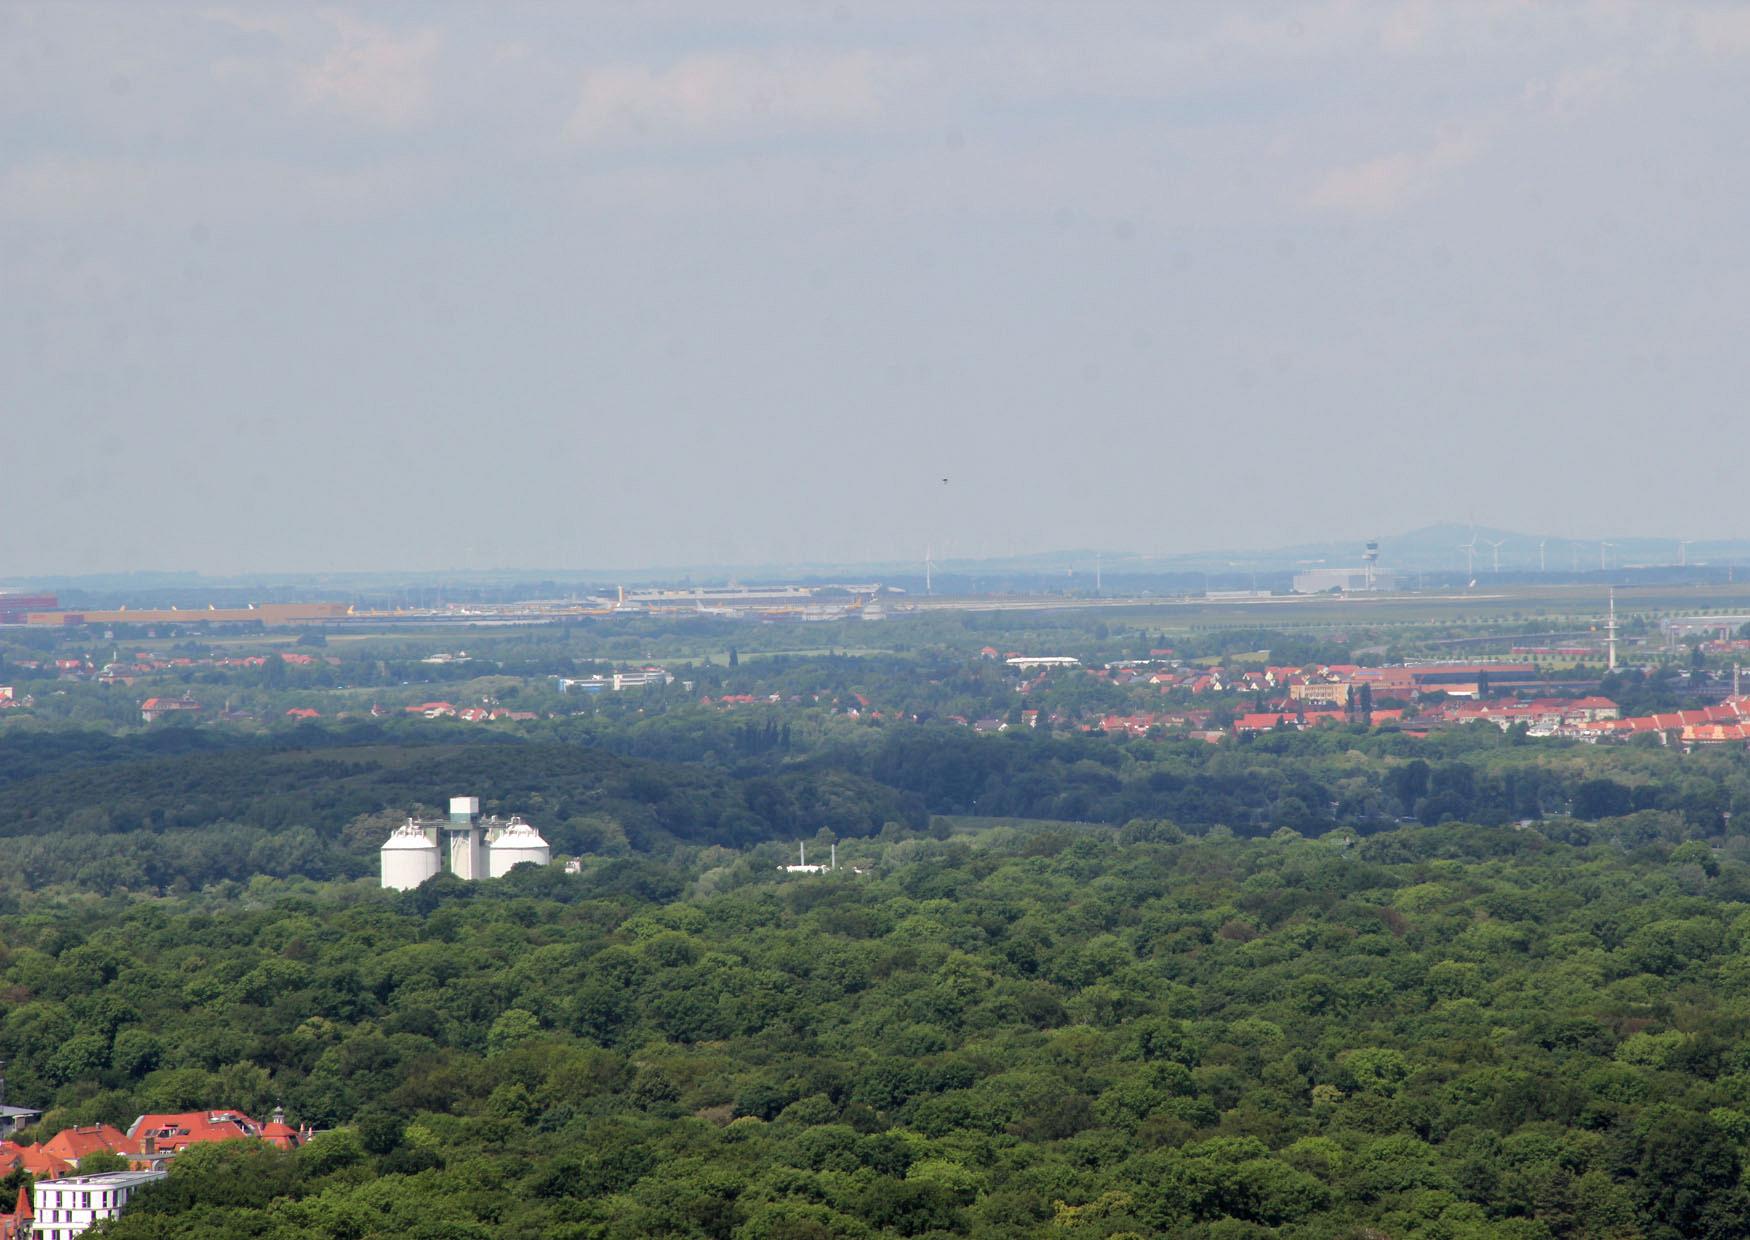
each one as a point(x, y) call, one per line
point(467, 838)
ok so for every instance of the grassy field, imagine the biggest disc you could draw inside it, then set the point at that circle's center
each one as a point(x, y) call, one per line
point(1483, 606)
point(1551, 612)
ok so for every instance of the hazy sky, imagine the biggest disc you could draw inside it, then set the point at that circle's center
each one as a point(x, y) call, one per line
point(285, 287)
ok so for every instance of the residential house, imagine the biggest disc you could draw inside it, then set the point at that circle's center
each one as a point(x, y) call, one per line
point(14, 1118)
point(1330, 693)
point(155, 708)
point(1252, 724)
point(74, 1144)
point(16, 1225)
point(1716, 734)
point(171, 1134)
point(33, 1159)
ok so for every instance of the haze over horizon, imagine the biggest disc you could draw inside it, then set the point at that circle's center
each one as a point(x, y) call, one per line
point(1435, 549)
point(457, 286)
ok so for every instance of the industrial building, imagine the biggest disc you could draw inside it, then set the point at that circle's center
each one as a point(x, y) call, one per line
point(619, 682)
point(802, 866)
point(16, 608)
point(268, 615)
point(515, 843)
point(477, 848)
point(1723, 626)
point(1345, 580)
point(805, 866)
point(1319, 580)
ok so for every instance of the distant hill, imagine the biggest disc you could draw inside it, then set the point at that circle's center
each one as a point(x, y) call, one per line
point(1440, 548)
point(1436, 550)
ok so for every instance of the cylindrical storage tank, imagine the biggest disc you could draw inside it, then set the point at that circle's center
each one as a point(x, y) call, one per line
point(409, 858)
point(517, 843)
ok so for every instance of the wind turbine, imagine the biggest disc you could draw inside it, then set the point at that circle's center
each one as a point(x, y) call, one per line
point(1683, 552)
point(1496, 544)
point(1540, 563)
point(1470, 553)
point(1603, 555)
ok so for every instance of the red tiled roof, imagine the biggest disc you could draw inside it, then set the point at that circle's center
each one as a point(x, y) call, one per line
point(74, 1144)
point(34, 1159)
point(282, 1135)
point(174, 1133)
point(16, 1226)
point(1717, 732)
point(1256, 723)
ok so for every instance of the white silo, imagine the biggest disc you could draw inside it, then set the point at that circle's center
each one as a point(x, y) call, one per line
point(516, 843)
point(409, 857)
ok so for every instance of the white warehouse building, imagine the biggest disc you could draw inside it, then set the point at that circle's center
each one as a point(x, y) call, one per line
point(478, 848)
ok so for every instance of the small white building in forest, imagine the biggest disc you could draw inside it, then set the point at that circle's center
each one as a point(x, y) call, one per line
point(802, 866)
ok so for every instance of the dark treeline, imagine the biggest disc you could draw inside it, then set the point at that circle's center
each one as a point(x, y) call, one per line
point(182, 807)
point(1308, 782)
point(199, 813)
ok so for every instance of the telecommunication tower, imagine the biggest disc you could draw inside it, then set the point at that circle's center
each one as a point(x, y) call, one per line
point(1610, 631)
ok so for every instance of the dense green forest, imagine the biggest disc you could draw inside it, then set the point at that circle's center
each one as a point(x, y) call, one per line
point(179, 809)
point(1453, 1032)
point(1341, 983)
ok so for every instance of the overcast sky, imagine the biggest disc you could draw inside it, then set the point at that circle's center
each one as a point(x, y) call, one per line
point(626, 283)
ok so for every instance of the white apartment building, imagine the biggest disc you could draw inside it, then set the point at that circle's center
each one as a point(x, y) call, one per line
point(67, 1208)
point(619, 682)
